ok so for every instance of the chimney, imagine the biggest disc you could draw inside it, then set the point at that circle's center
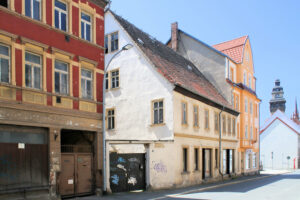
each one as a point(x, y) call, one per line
point(174, 36)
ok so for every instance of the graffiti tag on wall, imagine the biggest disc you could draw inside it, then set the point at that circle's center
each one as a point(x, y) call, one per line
point(160, 167)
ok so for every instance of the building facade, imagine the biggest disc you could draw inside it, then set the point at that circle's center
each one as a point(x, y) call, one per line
point(163, 116)
point(229, 66)
point(51, 69)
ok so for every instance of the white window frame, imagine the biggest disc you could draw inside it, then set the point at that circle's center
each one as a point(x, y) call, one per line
point(86, 79)
point(85, 22)
point(62, 72)
point(34, 65)
point(9, 65)
point(158, 110)
point(31, 9)
point(59, 14)
point(111, 123)
point(115, 79)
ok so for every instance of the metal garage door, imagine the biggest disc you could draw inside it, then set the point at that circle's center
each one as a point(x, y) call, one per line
point(23, 158)
point(127, 172)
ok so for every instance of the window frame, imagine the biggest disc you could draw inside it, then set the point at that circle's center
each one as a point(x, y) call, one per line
point(108, 42)
point(184, 113)
point(206, 119)
point(216, 120)
point(8, 4)
point(111, 125)
point(91, 79)
point(196, 159)
point(33, 65)
point(9, 63)
point(32, 10)
point(159, 109)
point(229, 125)
point(111, 41)
point(246, 131)
point(196, 116)
point(185, 156)
point(224, 124)
point(113, 78)
point(246, 106)
point(233, 126)
point(62, 72)
point(85, 22)
point(59, 13)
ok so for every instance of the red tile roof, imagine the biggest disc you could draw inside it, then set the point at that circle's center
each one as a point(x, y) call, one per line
point(233, 48)
point(174, 67)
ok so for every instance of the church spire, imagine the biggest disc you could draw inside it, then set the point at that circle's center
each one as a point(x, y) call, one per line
point(277, 101)
point(295, 116)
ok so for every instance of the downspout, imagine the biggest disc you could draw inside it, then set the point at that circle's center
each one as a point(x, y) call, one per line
point(220, 142)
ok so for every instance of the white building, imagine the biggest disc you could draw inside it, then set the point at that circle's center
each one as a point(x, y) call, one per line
point(279, 143)
point(163, 116)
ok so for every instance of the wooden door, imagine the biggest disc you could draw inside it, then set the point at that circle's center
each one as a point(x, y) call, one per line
point(84, 174)
point(67, 176)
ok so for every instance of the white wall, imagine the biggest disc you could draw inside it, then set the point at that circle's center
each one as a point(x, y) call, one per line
point(140, 83)
point(283, 142)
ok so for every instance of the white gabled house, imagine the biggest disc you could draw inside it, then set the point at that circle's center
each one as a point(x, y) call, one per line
point(163, 116)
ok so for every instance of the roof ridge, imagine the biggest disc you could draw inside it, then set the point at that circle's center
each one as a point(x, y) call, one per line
point(230, 40)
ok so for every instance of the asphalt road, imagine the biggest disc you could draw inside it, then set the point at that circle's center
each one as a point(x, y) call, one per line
point(261, 187)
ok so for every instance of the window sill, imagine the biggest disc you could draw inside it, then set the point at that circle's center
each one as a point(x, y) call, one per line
point(157, 125)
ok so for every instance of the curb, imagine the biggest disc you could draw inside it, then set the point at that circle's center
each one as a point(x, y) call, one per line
point(217, 186)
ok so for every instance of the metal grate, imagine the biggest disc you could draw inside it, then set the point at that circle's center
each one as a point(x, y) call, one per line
point(76, 148)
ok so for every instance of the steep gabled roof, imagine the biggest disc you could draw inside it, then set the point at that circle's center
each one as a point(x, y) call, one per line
point(174, 67)
point(233, 48)
point(278, 115)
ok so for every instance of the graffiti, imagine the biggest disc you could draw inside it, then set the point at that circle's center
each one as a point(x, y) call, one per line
point(132, 180)
point(115, 179)
point(121, 160)
point(160, 167)
point(121, 167)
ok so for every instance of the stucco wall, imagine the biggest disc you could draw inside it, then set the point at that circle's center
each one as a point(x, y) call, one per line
point(140, 84)
point(210, 63)
point(283, 142)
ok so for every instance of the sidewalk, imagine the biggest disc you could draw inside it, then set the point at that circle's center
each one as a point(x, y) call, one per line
point(159, 194)
point(275, 171)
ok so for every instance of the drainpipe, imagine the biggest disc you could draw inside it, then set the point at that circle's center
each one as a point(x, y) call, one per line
point(220, 142)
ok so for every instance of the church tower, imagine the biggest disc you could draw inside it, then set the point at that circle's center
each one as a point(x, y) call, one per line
point(295, 117)
point(277, 101)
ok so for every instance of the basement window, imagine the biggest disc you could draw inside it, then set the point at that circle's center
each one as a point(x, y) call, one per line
point(4, 4)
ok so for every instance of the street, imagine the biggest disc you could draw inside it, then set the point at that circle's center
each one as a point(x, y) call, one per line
point(262, 187)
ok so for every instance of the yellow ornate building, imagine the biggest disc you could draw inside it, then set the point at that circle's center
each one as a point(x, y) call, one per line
point(244, 99)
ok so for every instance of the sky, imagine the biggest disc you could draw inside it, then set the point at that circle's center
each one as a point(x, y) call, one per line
point(273, 27)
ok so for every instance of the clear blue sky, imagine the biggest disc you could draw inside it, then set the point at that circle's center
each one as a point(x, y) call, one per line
point(272, 25)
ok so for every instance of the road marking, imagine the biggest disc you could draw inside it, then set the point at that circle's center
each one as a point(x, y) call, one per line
point(212, 187)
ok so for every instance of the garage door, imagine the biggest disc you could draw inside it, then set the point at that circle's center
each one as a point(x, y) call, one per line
point(23, 158)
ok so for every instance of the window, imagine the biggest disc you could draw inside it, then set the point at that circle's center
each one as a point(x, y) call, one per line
point(185, 159)
point(247, 161)
point(246, 132)
point(86, 27)
point(231, 75)
point(251, 133)
point(216, 158)
point(86, 84)
point(33, 71)
point(115, 79)
point(196, 154)
point(254, 160)
point(4, 3)
point(158, 112)
point(250, 82)
point(237, 103)
point(224, 123)
point(111, 119)
point(4, 64)
point(233, 126)
point(61, 15)
point(114, 42)
point(245, 79)
point(184, 113)
point(229, 125)
point(61, 78)
point(196, 116)
point(251, 109)
point(106, 81)
point(106, 44)
point(216, 122)
point(246, 105)
point(33, 9)
point(206, 120)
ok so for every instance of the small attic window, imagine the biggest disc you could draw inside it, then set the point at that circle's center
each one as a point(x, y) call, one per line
point(189, 67)
point(140, 41)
